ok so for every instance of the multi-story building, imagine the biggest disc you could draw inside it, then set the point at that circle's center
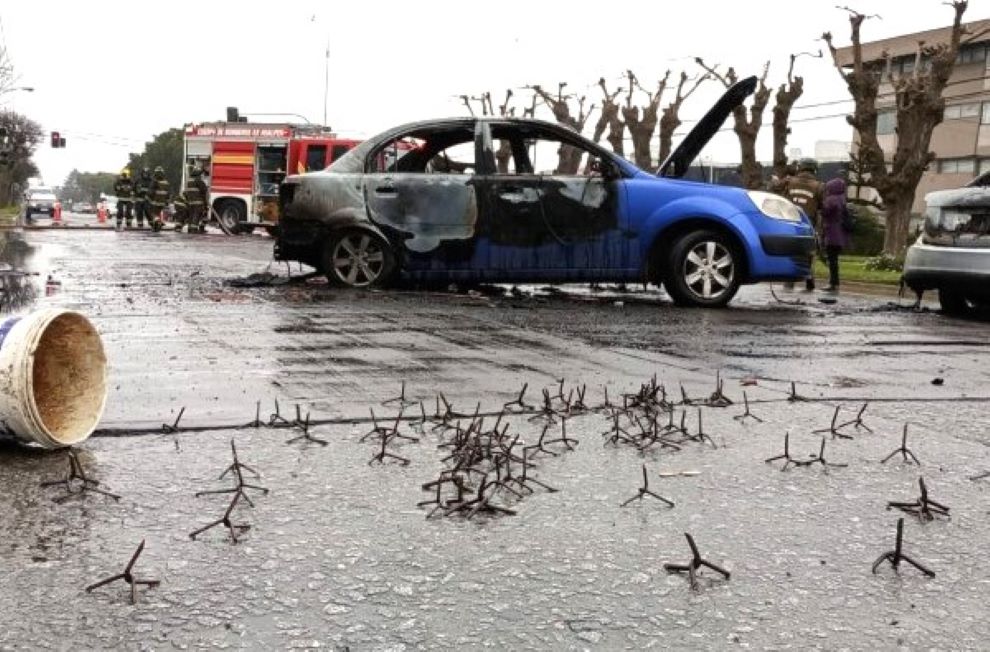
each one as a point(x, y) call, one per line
point(961, 143)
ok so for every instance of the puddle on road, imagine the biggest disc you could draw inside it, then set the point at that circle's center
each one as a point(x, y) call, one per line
point(18, 276)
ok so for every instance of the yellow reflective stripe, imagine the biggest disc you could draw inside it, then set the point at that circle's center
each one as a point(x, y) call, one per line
point(234, 159)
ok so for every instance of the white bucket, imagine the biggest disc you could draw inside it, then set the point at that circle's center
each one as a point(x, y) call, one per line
point(53, 378)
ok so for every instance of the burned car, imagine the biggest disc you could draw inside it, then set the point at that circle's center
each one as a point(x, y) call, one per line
point(503, 200)
point(952, 254)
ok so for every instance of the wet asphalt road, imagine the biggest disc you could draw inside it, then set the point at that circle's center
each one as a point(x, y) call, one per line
point(339, 555)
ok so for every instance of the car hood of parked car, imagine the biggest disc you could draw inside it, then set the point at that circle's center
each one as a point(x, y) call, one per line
point(680, 159)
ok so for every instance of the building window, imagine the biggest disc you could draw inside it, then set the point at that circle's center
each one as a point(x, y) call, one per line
point(972, 54)
point(986, 113)
point(957, 166)
point(962, 111)
point(984, 165)
point(887, 122)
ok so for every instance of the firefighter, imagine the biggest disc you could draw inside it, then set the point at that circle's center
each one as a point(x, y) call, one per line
point(195, 194)
point(805, 190)
point(142, 191)
point(158, 198)
point(181, 214)
point(123, 187)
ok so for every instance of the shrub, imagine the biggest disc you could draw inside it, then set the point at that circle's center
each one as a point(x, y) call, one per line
point(867, 236)
point(884, 263)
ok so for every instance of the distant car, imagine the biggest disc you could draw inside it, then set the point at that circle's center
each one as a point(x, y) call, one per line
point(110, 202)
point(952, 254)
point(39, 200)
point(459, 200)
point(83, 207)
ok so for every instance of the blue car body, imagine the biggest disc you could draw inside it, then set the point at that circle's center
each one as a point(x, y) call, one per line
point(477, 221)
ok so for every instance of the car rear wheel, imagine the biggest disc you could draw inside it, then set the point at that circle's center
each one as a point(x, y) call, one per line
point(703, 270)
point(952, 302)
point(356, 258)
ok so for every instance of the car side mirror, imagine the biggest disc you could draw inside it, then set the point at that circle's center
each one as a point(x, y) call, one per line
point(606, 169)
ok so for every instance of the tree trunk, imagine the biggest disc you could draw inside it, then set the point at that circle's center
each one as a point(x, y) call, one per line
point(751, 170)
point(615, 136)
point(898, 221)
point(668, 125)
point(641, 133)
point(503, 155)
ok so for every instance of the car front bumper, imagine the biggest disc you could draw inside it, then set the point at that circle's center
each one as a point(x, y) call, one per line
point(928, 267)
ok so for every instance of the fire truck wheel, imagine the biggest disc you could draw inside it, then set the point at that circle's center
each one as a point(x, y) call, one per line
point(357, 258)
point(230, 214)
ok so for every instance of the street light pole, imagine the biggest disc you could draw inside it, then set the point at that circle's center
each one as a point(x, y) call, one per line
point(326, 81)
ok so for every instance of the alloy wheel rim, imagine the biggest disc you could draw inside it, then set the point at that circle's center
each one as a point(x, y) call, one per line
point(709, 270)
point(358, 260)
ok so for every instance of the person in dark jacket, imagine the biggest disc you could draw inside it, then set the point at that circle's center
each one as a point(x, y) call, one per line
point(834, 234)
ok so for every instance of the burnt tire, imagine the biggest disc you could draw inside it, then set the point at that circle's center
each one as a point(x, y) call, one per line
point(703, 269)
point(953, 303)
point(358, 259)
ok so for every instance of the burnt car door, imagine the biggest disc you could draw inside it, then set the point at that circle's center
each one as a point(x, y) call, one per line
point(511, 228)
point(549, 209)
point(419, 190)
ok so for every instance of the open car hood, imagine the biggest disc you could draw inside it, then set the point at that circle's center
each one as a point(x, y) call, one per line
point(680, 159)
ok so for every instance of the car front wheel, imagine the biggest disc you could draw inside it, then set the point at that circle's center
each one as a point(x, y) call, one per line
point(703, 270)
point(357, 258)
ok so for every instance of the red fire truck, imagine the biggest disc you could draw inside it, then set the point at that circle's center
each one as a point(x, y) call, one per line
point(244, 163)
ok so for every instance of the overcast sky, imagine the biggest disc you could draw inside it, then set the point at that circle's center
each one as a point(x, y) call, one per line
point(110, 75)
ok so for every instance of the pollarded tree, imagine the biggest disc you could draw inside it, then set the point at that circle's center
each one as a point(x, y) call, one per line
point(609, 119)
point(569, 158)
point(787, 94)
point(643, 122)
point(670, 119)
point(746, 123)
point(919, 108)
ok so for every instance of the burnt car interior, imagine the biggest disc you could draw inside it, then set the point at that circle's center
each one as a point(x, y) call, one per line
point(446, 151)
point(527, 148)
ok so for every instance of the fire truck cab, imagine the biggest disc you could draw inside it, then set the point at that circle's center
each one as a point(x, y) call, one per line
point(244, 163)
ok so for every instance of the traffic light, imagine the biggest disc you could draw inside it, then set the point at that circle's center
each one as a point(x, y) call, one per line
point(57, 139)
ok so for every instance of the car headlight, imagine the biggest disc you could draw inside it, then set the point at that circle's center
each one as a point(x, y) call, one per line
point(775, 206)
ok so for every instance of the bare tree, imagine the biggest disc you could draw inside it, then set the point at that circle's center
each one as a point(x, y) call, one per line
point(642, 126)
point(569, 158)
point(787, 94)
point(503, 155)
point(747, 128)
point(670, 119)
point(919, 106)
point(609, 119)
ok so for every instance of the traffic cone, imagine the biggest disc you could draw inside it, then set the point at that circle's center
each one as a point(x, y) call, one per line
point(101, 213)
point(57, 212)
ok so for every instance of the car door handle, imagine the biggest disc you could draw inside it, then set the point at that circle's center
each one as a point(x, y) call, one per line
point(385, 190)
